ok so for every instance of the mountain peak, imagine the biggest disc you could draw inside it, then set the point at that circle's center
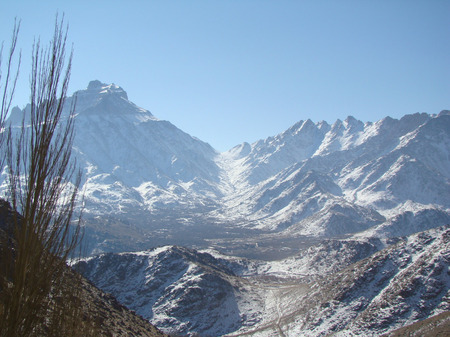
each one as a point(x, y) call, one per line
point(95, 85)
point(351, 120)
point(354, 124)
point(98, 87)
point(308, 123)
point(95, 92)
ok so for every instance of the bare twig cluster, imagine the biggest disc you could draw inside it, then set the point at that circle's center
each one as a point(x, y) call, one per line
point(36, 296)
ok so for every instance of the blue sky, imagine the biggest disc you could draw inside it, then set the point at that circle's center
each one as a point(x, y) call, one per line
point(232, 71)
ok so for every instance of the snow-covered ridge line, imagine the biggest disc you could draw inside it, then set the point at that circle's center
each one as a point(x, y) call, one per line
point(146, 182)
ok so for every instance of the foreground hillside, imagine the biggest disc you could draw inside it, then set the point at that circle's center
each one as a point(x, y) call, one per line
point(353, 286)
point(100, 314)
point(110, 318)
point(148, 183)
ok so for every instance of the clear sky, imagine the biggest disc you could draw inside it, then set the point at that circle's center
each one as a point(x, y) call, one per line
point(231, 71)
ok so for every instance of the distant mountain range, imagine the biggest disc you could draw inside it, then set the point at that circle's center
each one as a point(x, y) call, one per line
point(340, 228)
point(148, 183)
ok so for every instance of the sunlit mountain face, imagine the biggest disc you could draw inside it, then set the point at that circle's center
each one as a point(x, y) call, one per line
point(147, 183)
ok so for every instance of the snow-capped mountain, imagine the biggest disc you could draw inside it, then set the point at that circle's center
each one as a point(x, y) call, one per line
point(147, 183)
point(132, 160)
point(382, 167)
point(326, 208)
point(346, 287)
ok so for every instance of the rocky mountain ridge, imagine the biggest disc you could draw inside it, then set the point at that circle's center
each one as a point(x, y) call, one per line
point(346, 287)
point(148, 183)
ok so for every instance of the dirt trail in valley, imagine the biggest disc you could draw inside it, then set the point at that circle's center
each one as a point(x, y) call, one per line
point(282, 303)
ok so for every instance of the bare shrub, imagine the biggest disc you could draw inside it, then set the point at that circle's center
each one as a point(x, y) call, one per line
point(36, 295)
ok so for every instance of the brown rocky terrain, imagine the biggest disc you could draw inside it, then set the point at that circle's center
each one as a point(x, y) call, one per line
point(99, 313)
